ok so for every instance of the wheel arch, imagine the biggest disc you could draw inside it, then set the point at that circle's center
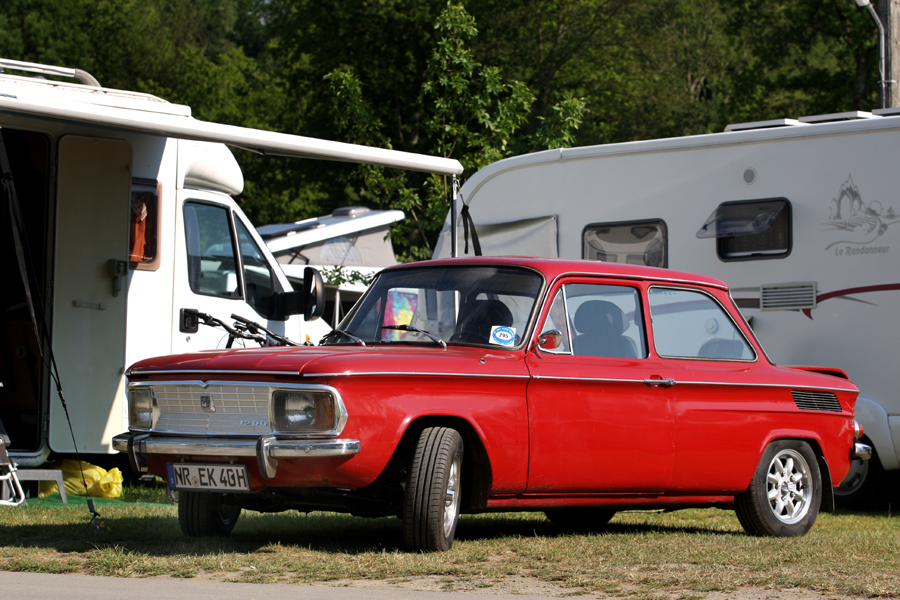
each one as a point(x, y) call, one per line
point(827, 504)
point(477, 476)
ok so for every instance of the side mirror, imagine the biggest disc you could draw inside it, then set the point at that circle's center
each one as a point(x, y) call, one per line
point(309, 302)
point(550, 339)
point(314, 294)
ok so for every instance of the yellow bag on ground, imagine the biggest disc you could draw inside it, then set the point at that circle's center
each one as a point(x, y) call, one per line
point(100, 482)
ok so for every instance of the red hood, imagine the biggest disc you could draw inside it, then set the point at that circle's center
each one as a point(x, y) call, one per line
point(312, 361)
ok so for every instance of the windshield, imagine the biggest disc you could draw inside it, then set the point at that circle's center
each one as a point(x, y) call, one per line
point(489, 305)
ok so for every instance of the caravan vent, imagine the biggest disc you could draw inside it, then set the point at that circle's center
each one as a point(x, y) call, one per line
point(787, 296)
point(816, 400)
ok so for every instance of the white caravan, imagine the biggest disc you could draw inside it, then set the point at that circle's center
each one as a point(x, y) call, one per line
point(128, 219)
point(800, 217)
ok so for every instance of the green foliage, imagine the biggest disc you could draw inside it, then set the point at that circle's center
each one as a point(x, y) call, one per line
point(472, 113)
point(339, 275)
point(419, 76)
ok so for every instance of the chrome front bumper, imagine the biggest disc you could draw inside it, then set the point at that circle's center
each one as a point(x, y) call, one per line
point(267, 449)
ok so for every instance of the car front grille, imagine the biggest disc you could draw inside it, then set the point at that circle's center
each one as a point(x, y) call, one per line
point(216, 409)
point(816, 400)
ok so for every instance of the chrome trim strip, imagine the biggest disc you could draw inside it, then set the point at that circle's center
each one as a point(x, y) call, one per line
point(606, 379)
point(682, 382)
point(205, 372)
point(237, 447)
point(414, 373)
point(773, 385)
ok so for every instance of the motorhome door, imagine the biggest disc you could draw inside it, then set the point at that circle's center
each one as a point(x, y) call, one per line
point(220, 269)
point(90, 278)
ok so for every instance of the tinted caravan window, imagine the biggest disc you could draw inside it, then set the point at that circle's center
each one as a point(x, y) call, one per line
point(750, 230)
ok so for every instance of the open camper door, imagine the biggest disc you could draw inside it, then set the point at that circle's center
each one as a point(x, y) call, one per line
point(91, 273)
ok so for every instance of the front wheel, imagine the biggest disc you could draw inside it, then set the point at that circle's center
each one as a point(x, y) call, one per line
point(206, 514)
point(784, 496)
point(432, 496)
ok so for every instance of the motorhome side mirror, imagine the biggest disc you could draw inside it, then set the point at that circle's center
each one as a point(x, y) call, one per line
point(309, 301)
point(314, 291)
point(189, 321)
point(550, 340)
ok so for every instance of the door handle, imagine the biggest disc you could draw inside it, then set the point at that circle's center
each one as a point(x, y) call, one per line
point(117, 270)
point(659, 382)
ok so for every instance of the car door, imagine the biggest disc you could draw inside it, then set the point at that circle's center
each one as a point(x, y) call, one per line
point(720, 413)
point(600, 416)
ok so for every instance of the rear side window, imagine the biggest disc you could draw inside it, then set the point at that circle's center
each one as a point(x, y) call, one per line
point(212, 263)
point(633, 242)
point(691, 324)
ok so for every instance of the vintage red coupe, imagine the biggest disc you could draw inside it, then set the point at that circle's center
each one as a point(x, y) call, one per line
point(455, 386)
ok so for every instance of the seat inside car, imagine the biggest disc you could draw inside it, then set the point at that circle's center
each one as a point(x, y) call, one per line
point(600, 325)
point(478, 318)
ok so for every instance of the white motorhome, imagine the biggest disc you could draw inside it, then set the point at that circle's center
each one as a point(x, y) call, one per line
point(127, 218)
point(800, 217)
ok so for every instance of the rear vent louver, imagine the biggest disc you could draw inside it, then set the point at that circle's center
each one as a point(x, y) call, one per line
point(816, 400)
point(787, 296)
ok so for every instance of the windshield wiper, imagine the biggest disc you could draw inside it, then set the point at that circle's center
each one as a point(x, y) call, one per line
point(430, 335)
point(346, 334)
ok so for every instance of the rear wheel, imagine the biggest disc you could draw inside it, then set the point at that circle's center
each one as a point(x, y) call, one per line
point(581, 519)
point(432, 497)
point(785, 493)
point(206, 514)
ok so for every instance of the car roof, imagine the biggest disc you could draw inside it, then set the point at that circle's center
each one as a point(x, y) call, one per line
point(555, 267)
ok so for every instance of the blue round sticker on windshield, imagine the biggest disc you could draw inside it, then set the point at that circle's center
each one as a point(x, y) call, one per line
point(503, 336)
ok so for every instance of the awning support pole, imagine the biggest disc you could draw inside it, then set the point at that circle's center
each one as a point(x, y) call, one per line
point(454, 212)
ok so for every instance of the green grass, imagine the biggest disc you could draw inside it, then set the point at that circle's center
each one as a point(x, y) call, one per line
point(687, 553)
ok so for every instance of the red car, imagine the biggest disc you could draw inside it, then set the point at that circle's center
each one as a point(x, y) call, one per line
point(575, 388)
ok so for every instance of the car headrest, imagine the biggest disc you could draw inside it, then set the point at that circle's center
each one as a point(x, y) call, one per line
point(600, 317)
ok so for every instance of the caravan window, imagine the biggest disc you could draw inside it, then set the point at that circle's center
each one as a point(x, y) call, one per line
point(212, 264)
point(632, 242)
point(750, 230)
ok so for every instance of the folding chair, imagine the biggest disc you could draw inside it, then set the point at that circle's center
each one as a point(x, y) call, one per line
point(12, 494)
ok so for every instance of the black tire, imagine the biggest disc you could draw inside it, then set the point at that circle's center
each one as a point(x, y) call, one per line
point(580, 519)
point(432, 497)
point(796, 487)
point(206, 514)
point(864, 486)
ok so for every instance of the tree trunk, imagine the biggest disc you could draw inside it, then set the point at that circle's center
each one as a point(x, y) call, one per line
point(889, 13)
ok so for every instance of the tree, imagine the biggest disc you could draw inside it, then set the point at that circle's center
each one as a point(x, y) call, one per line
point(469, 112)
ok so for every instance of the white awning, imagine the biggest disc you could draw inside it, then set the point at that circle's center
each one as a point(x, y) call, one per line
point(181, 126)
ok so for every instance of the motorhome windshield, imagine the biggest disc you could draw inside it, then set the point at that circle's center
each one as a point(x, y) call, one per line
point(489, 305)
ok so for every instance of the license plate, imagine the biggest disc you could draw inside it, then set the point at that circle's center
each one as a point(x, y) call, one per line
point(212, 478)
